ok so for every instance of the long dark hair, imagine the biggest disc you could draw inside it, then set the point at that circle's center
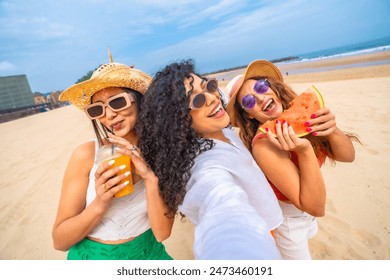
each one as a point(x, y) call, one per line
point(167, 140)
point(248, 126)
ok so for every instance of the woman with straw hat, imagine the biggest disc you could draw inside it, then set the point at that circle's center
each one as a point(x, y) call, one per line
point(204, 169)
point(91, 223)
point(291, 164)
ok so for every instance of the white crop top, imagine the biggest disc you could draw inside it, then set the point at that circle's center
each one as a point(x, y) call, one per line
point(126, 217)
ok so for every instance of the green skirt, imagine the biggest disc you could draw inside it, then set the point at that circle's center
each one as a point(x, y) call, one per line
point(144, 247)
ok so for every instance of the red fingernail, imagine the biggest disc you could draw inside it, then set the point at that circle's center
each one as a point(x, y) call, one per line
point(307, 124)
point(308, 129)
point(267, 129)
point(314, 134)
point(283, 122)
point(313, 116)
point(277, 121)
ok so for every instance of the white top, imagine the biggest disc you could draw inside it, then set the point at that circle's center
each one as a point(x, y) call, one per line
point(126, 217)
point(231, 204)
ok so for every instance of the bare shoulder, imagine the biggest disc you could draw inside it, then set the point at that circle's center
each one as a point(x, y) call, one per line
point(264, 147)
point(83, 156)
point(262, 144)
point(85, 151)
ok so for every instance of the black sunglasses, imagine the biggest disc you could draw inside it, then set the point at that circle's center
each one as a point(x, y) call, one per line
point(197, 100)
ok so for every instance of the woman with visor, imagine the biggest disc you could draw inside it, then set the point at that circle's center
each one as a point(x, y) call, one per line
point(91, 223)
point(291, 164)
point(204, 169)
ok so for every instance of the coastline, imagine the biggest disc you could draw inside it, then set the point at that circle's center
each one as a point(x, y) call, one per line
point(327, 68)
point(355, 226)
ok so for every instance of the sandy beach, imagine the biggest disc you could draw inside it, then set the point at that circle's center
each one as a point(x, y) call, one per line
point(356, 225)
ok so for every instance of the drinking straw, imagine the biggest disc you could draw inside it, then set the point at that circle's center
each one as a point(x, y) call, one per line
point(112, 144)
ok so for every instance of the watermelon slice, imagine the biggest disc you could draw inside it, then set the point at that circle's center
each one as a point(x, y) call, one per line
point(299, 112)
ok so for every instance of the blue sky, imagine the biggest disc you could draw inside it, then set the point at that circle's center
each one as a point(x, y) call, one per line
point(57, 42)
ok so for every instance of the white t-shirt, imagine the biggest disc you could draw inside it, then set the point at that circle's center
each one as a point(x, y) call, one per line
point(231, 204)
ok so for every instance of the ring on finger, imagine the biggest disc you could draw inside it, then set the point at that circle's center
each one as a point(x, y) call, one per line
point(133, 148)
point(104, 186)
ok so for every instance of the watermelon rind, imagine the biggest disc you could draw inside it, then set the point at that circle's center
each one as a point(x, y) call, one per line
point(319, 96)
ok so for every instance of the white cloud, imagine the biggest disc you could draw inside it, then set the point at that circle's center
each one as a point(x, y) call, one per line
point(37, 28)
point(47, 39)
point(6, 66)
point(207, 12)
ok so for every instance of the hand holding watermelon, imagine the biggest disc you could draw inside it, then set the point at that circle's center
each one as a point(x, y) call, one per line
point(299, 114)
point(286, 138)
point(323, 122)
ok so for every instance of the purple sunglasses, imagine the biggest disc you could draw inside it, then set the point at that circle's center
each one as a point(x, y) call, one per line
point(260, 87)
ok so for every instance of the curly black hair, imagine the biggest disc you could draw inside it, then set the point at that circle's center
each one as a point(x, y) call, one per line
point(167, 140)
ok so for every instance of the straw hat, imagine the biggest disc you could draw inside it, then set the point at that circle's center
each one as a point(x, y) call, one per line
point(231, 87)
point(257, 68)
point(107, 75)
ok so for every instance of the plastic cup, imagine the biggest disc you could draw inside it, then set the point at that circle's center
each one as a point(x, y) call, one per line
point(107, 153)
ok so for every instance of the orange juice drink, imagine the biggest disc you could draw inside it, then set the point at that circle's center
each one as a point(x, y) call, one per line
point(124, 160)
point(107, 153)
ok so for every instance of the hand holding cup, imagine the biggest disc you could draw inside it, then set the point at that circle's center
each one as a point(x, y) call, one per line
point(125, 147)
point(119, 171)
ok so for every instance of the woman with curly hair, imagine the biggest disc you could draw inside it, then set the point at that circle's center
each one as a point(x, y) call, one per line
point(291, 164)
point(204, 169)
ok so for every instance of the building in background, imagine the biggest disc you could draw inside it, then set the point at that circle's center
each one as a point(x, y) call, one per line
point(15, 92)
point(17, 100)
point(39, 98)
point(53, 98)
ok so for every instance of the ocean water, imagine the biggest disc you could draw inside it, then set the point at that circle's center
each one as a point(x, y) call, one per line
point(348, 50)
point(360, 48)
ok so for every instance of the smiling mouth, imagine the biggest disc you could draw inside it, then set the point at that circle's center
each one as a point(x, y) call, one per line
point(115, 124)
point(269, 105)
point(216, 110)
